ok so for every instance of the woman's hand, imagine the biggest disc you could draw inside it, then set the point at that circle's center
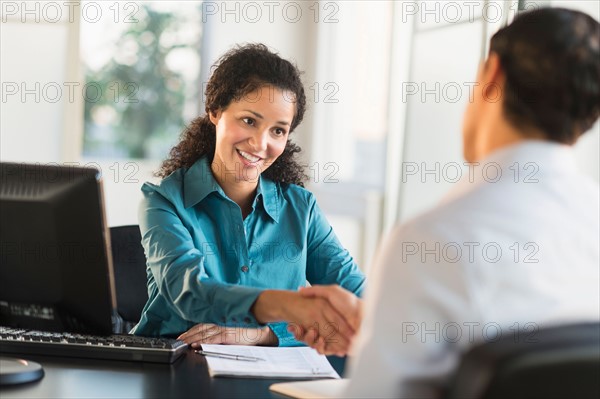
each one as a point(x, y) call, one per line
point(207, 333)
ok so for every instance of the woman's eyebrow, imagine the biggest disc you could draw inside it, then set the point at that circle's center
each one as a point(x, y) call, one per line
point(259, 116)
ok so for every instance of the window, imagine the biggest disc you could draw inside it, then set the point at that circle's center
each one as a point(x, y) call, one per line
point(141, 62)
point(350, 131)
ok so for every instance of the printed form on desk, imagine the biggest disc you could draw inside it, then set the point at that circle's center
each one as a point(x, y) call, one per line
point(295, 362)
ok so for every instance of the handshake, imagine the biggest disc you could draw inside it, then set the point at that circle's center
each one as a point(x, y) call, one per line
point(335, 315)
point(325, 317)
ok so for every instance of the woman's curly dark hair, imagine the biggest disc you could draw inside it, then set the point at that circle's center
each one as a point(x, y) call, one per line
point(238, 72)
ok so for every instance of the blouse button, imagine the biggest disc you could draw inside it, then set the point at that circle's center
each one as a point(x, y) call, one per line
point(245, 269)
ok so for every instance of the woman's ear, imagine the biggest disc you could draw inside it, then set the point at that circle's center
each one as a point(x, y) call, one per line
point(214, 116)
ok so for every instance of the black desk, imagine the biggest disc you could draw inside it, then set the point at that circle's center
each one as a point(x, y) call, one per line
point(187, 377)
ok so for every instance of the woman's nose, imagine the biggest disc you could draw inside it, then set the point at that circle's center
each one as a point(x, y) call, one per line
point(258, 141)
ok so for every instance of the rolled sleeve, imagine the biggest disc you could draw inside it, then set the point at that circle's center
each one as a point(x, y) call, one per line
point(285, 337)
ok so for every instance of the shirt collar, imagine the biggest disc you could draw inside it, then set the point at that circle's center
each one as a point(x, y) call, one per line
point(269, 194)
point(547, 156)
point(525, 161)
point(199, 182)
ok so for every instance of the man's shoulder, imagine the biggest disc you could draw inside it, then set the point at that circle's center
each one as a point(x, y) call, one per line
point(445, 219)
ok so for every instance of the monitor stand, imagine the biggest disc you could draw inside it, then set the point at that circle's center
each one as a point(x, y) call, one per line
point(18, 371)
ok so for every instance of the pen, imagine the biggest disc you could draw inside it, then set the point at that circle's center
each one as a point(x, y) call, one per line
point(230, 356)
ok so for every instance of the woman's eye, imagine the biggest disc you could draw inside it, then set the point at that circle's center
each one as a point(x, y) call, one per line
point(280, 132)
point(248, 121)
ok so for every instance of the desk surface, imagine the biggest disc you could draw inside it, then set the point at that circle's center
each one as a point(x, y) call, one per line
point(187, 377)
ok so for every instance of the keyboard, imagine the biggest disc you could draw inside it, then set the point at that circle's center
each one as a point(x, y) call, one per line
point(115, 347)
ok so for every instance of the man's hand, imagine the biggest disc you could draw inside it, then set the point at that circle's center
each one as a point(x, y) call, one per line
point(306, 313)
point(345, 302)
point(206, 333)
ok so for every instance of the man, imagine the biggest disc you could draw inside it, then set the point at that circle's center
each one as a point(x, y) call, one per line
point(515, 245)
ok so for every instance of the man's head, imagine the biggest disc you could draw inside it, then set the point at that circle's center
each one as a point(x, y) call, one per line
point(542, 77)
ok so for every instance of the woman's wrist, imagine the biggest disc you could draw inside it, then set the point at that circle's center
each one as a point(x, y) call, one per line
point(268, 337)
point(272, 306)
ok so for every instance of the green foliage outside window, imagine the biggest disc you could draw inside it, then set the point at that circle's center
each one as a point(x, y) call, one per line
point(135, 101)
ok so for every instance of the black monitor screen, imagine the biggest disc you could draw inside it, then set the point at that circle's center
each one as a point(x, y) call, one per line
point(55, 272)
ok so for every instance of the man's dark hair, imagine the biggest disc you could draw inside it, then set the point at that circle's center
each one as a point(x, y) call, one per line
point(551, 59)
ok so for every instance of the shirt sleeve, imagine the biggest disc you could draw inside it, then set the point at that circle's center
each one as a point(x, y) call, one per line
point(413, 309)
point(328, 262)
point(177, 267)
point(284, 336)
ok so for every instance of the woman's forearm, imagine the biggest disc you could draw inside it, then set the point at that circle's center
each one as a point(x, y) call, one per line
point(272, 305)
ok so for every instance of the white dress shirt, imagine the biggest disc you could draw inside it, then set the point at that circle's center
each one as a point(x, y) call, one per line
point(498, 255)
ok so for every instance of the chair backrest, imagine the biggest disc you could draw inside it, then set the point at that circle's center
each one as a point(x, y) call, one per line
point(557, 362)
point(129, 262)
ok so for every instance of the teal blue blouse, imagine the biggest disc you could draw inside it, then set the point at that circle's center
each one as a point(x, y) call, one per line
point(206, 264)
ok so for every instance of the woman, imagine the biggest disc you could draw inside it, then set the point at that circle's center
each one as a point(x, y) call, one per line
point(229, 233)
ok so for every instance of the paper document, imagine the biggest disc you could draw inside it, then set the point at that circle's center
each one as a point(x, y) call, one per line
point(321, 389)
point(298, 362)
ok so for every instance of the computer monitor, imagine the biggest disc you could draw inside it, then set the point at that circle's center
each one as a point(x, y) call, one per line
point(55, 264)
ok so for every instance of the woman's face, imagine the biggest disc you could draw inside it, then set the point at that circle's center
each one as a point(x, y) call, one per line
point(251, 135)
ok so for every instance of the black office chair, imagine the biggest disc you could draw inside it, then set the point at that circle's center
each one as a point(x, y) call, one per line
point(129, 263)
point(558, 362)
